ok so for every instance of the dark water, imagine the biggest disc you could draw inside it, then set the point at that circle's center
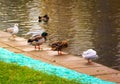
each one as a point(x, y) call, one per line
point(85, 23)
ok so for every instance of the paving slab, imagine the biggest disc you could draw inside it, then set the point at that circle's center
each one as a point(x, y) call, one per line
point(14, 42)
point(13, 49)
point(4, 34)
point(39, 58)
point(3, 45)
point(44, 54)
point(4, 39)
point(96, 70)
point(111, 77)
point(41, 54)
point(20, 39)
point(26, 48)
point(78, 64)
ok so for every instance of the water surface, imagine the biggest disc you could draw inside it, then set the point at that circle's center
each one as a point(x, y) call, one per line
point(85, 23)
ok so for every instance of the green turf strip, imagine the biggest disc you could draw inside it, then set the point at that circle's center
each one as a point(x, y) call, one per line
point(14, 74)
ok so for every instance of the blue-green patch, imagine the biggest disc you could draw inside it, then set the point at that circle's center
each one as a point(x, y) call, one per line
point(63, 72)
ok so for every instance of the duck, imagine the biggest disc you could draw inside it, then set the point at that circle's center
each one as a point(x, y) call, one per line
point(13, 31)
point(44, 18)
point(38, 40)
point(59, 46)
point(90, 55)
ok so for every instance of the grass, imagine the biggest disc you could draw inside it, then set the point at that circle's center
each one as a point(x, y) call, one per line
point(15, 74)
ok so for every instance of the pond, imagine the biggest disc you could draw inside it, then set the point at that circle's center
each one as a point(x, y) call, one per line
point(84, 23)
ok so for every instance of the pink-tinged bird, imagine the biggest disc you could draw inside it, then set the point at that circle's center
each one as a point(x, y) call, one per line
point(13, 31)
point(90, 55)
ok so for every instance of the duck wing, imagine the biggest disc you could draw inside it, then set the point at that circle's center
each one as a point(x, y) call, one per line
point(90, 54)
point(10, 30)
point(58, 46)
point(13, 30)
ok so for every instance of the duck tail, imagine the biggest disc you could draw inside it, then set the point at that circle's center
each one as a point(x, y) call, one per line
point(5, 30)
point(65, 43)
point(29, 40)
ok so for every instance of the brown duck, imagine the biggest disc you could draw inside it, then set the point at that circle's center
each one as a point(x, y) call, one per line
point(59, 46)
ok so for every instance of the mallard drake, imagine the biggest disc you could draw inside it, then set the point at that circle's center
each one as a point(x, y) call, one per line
point(38, 40)
point(90, 55)
point(14, 30)
point(59, 46)
point(44, 18)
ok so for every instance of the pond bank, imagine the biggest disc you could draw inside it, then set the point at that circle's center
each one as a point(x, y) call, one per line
point(66, 60)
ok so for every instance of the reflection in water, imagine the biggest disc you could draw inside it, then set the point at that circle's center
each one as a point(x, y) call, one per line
point(105, 35)
point(86, 24)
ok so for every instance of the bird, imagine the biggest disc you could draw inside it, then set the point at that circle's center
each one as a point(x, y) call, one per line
point(38, 40)
point(44, 18)
point(13, 31)
point(59, 46)
point(89, 55)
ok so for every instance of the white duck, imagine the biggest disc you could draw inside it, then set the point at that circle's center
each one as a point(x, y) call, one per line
point(90, 55)
point(14, 30)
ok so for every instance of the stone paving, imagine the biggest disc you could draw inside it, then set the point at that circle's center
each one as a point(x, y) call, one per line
point(76, 63)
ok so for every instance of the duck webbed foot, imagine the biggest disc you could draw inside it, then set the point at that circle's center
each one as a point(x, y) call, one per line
point(89, 62)
point(38, 48)
point(60, 53)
